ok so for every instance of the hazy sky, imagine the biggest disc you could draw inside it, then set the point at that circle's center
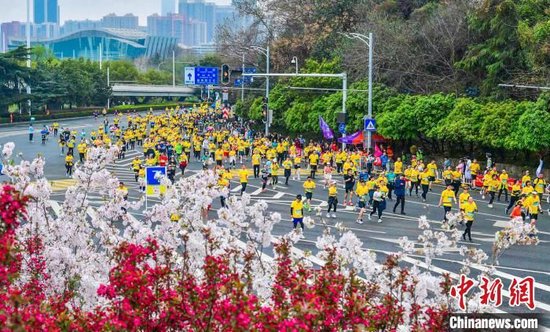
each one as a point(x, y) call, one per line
point(15, 10)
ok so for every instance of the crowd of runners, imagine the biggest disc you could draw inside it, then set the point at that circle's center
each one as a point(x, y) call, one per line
point(369, 182)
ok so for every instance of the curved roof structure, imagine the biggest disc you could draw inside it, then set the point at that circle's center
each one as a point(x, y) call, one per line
point(115, 44)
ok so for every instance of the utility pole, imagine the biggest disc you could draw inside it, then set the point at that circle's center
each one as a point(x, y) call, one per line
point(173, 68)
point(108, 85)
point(29, 54)
point(264, 51)
point(267, 90)
point(242, 79)
point(100, 55)
point(369, 41)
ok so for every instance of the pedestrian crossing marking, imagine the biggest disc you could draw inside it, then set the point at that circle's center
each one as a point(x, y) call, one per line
point(59, 185)
point(278, 195)
point(236, 189)
point(257, 192)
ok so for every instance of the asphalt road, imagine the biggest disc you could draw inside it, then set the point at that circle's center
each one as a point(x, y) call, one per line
point(517, 262)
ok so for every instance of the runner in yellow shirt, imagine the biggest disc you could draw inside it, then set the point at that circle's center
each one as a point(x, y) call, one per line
point(287, 166)
point(309, 186)
point(469, 209)
point(256, 160)
point(532, 204)
point(362, 192)
point(297, 212)
point(446, 200)
point(297, 166)
point(243, 177)
point(332, 199)
point(313, 161)
point(398, 166)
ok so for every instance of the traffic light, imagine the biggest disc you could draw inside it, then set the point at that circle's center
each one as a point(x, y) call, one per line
point(225, 74)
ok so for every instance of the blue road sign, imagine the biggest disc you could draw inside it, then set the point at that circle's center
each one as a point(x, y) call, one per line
point(249, 79)
point(370, 125)
point(154, 174)
point(206, 75)
point(238, 82)
point(342, 128)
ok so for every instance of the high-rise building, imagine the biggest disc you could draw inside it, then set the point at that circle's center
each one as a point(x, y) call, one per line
point(71, 26)
point(168, 7)
point(128, 21)
point(201, 11)
point(9, 30)
point(186, 31)
point(171, 25)
point(46, 11)
point(210, 13)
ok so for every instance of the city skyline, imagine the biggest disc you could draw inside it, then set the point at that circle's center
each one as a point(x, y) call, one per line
point(89, 9)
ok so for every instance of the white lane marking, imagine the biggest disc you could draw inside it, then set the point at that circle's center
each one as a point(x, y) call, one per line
point(237, 189)
point(257, 192)
point(278, 195)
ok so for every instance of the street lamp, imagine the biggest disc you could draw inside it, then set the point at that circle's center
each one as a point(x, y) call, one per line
point(264, 51)
point(295, 62)
point(370, 43)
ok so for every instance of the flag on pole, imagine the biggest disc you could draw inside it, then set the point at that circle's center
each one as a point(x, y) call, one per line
point(356, 138)
point(325, 129)
point(377, 151)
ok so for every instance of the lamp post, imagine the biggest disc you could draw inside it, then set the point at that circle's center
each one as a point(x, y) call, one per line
point(28, 32)
point(242, 83)
point(295, 62)
point(370, 43)
point(264, 51)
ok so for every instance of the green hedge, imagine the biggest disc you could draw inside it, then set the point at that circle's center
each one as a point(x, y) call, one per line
point(54, 115)
point(75, 113)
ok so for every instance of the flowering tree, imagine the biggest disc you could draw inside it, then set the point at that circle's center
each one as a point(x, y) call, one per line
point(82, 268)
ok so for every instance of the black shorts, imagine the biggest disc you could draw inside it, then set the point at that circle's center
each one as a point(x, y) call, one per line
point(309, 195)
point(314, 168)
point(296, 166)
point(431, 178)
point(535, 216)
point(361, 204)
point(349, 189)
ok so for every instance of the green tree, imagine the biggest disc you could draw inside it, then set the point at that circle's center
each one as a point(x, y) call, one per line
point(14, 77)
point(505, 49)
point(123, 71)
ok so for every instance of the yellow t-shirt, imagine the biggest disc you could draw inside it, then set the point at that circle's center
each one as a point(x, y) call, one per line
point(432, 167)
point(361, 189)
point(398, 167)
point(424, 176)
point(243, 175)
point(447, 197)
point(463, 198)
point(539, 185)
point(313, 159)
point(469, 209)
point(332, 191)
point(297, 209)
point(309, 186)
point(256, 159)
